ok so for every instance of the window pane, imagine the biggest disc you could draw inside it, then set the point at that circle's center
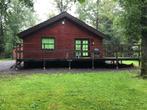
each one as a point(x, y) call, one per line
point(85, 41)
point(78, 54)
point(78, 47)
point(46, 46)
point(85, 54)
point(78, 41)
point(51, 40)
point(51, 46)
point(85, 47)
point(44, 40)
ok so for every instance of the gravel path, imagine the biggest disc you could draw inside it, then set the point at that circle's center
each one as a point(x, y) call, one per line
point(5, 65)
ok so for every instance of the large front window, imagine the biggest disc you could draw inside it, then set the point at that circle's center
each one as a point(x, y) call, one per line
point(82, 48)
point(48, 43)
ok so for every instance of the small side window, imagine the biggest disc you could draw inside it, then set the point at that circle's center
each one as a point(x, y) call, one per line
point(48, 43)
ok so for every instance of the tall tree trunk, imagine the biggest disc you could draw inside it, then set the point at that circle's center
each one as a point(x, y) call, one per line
point(144, 39)
point(97, 15)
point(1, 33)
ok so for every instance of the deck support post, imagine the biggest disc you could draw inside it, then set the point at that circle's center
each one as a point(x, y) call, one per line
point(17, 64)
point(44, 64)
point(16, 52)
point(121, 61)
point(93, 64)
point(93, 60)
point(139, 62)
point(69, 64)
point(139, 56)
point(117, 61)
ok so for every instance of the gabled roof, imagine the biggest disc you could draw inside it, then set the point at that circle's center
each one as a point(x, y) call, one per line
point(57, 18)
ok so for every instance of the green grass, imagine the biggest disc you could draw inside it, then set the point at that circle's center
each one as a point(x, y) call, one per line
point(65, 91)
point(135, 63)
point(5, 59)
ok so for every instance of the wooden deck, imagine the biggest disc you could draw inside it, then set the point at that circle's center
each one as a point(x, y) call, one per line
point(84, 59)
point(115, 54)
point(88, 63)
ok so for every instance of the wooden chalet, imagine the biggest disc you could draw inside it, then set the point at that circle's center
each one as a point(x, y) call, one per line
point(61, 38)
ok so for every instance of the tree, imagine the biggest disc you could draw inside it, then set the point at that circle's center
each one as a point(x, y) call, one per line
point(103, 15)
point(3, 9)
point(63, 5)
point(97, 13)
point(136, 26)
point(10, 23)
point(15, 23)
point(131, 20)
point(144, 37)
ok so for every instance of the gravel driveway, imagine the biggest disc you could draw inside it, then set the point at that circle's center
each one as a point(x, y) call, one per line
point(5, 65)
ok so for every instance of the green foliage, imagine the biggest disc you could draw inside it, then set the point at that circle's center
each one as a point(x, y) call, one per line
point(28, 3)
point(16, 16)
point(109, 15)
point(81, 1)
point(132, 19)
point(3, 9)
point(117, 90)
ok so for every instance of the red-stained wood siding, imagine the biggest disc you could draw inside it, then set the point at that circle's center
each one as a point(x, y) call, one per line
point(65, 35)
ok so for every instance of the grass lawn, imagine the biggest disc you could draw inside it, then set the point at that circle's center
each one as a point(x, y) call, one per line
point(63, 91)
point(135, 63)
point(5, 59)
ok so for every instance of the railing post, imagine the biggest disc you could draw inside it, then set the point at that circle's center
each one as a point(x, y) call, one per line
point(117, 61)
point(44, 63)
point(69, 60)
point(19, 51)
point(69, 64)
point(93, 60)
point(16, 52)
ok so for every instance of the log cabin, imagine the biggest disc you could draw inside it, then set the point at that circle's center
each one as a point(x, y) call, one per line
point(63, 37)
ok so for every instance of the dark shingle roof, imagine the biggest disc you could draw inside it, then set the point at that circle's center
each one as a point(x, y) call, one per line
point(57, 18)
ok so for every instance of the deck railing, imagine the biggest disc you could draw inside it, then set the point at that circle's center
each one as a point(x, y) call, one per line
point(109, 51)
point(122, 50)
